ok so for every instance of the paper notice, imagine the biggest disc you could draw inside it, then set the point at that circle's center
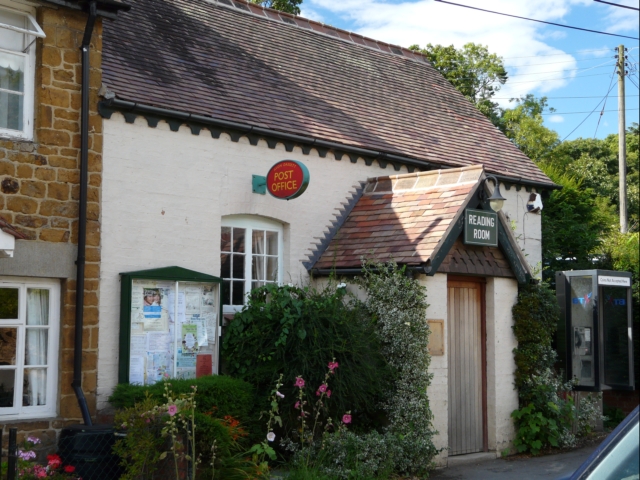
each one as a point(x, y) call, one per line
point(136, 370)
point(204, 365)
point(199, 322)
point(210, 327)
point(192, 299)
point(138, 345)
point(158, 365)
point(158, 342)
point(190, 338)
point(186, 360)
point(137, 328)
point(186, 373)
point(136, 296)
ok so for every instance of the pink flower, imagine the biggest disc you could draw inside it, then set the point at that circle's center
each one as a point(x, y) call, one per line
point(39, 471)
point(328, 393)
point(346, 418)
point(172, 410)
point(297, 405)
point(278, 394)
point(333, 366)
point(299, 382)
point(322, 388)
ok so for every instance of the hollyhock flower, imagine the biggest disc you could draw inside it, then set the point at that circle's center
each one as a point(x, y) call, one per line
point(279, 395)
point(54, 461)
point(172, 410)
point(346, 418)
point(271, 436)
point(297, 405)
point(333, 366)
point(328, 393)
point(69, 469)
point(322, 388)
point(342, 285)
point(299, 382)
point(34, 440)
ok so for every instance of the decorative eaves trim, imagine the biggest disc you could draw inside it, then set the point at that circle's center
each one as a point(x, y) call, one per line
point(236, 130)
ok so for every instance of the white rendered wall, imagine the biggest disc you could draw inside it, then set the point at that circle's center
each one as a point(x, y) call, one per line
point(439, 390)
point(502, 397)
point(528, 231)
point(164, 194)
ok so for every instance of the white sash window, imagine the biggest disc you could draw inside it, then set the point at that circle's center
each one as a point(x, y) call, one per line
point(18, 32)
point(250, 257)
point(29, 336)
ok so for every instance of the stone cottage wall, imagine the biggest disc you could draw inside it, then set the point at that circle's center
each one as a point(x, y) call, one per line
point(39, 184)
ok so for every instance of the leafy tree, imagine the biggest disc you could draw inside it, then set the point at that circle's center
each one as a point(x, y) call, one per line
point(289, 6)
point(523, 125)
point(472, 70)
point(573, 224)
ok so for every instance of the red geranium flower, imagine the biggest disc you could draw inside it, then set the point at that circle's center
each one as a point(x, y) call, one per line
point(54, 461)
point(69, 469)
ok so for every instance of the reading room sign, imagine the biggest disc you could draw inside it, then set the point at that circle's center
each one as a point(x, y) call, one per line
point(480, 228)
point(287, 179)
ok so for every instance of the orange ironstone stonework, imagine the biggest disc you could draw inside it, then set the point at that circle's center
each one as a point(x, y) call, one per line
point(40, 189)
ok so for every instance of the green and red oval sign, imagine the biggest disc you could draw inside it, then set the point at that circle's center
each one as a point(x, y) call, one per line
point(287, 179)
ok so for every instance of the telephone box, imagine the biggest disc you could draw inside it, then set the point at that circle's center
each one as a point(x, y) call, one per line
point(594, 337)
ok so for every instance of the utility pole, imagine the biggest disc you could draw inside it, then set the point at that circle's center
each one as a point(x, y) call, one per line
point(622, 141)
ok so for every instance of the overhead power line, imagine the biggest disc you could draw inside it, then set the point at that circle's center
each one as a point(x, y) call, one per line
point(566, 53)
point(591, 112)
point(617, 5)
point(539, 21)
point(577, 113)
point(516, 97)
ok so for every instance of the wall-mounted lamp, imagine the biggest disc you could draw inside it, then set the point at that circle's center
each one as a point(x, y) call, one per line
point(496, 200)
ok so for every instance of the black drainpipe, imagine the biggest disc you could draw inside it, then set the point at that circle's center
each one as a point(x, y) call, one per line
point(82, 216)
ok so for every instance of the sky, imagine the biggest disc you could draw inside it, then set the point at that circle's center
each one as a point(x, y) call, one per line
point(573, 69)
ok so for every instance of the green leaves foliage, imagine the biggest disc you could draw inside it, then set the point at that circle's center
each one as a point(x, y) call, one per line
point(289, 6)
point(546, 410)
point(297, 332)
point(472, 70)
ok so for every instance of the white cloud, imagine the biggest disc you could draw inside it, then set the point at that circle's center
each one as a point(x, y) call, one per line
point(519, 42)
point(619, 20)
point(555, 119)
point(311, 14)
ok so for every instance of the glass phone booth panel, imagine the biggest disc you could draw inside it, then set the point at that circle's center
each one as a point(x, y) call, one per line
point(582, 332)
point(595, 337)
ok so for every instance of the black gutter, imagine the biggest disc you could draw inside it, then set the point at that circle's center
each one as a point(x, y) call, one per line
point(189, 118)
point(82, 216)
point(106, 8)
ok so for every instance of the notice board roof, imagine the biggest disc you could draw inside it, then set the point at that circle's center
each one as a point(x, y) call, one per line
point(172, 273)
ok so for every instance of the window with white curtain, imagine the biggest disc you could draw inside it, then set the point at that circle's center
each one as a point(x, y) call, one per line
point(250, 257)
point(29, 335)
point(18, 32)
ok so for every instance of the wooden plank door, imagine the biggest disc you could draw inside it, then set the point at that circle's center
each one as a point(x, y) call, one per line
point(467, 381)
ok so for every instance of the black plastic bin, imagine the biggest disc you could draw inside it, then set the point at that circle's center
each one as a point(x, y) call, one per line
point(89, 449)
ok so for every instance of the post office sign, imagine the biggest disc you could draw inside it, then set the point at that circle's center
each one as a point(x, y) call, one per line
point(287, 179)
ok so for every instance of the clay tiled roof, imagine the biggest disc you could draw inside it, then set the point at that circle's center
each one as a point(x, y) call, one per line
point(402, 217)
point(10, 229)
point(237, 62)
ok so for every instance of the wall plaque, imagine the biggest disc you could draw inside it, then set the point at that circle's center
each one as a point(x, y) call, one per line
point(480, 228)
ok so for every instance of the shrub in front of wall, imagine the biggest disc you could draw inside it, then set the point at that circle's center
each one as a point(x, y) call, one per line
point(546, 408)
point(221, 395)
point(297, 332)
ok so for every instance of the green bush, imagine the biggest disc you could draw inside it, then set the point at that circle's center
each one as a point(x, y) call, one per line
point(546, 409)
point(218, 394)
point(297, 332)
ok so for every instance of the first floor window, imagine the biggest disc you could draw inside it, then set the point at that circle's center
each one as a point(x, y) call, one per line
point(250, 257)
point(29, 321)
point(18, 32)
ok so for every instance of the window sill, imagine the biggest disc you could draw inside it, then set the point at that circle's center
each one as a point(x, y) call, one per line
point(15, 419)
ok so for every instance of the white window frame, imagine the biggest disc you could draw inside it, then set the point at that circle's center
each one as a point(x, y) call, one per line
point(250, 223)
point(19, 412)
point(29, 74)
